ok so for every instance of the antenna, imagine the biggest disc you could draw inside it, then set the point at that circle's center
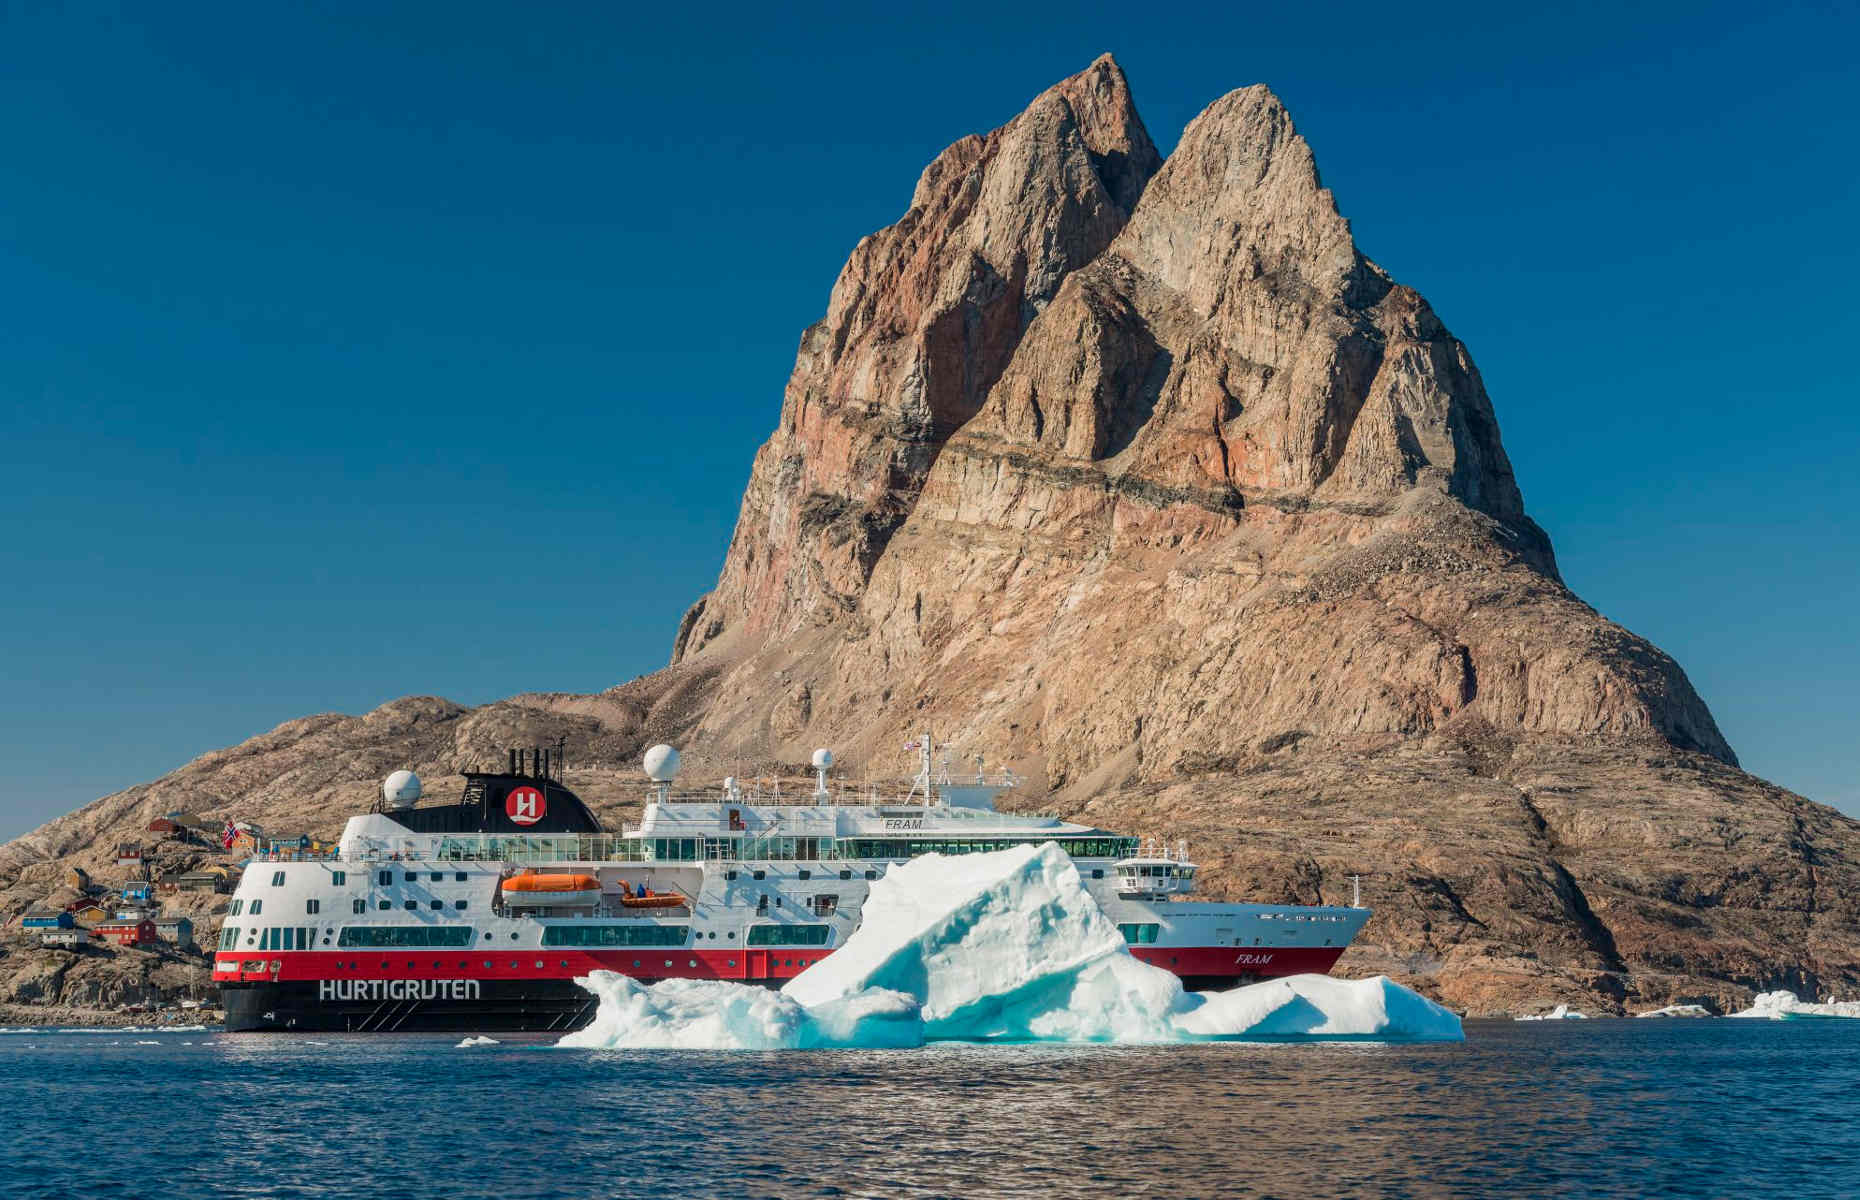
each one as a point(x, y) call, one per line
point(1356, 891)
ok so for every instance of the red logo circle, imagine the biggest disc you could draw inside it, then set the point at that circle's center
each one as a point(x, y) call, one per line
point(525, 805)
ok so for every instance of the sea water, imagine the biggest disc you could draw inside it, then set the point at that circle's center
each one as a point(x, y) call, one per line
point(1602, 1108)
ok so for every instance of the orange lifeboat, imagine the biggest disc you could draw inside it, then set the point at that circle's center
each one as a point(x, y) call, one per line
point(646, 898)
point(534, 889)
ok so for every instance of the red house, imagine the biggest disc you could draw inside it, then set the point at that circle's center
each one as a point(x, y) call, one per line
point(128, 932)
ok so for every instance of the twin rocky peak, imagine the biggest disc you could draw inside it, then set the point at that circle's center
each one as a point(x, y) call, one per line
point(1110, 458)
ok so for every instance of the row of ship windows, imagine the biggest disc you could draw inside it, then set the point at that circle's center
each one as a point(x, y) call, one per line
point(313, 906)
point(1285, 916)
point(304, 937)
point(384, 878)
point(257, 965)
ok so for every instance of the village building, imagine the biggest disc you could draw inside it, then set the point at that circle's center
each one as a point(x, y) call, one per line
point(48, 924)
point(166, 827)
point(128, 854)
point(176, 930)
point(128, 932)
point(208, 879)
point(88, 912)
point(78, 879)
point(64, 939)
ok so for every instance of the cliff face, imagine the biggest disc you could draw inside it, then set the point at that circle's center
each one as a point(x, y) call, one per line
point(923, 319)
point(1142, 478)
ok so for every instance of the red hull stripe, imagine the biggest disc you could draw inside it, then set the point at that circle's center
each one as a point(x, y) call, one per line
point(659, 962)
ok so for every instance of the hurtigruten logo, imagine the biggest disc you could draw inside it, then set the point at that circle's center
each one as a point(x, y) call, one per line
point(397, 989)
point(525, 805)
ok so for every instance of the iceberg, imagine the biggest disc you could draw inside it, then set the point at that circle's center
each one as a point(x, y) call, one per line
point(1786, 1006)
point(1317, 1006)
point(705, 1014)
point(1561, 1012)
point(1678, 1010)
point(1003, 946)
point(478, 1041)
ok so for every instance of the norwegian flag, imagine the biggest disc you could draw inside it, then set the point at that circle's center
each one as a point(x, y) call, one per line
point(228, 835)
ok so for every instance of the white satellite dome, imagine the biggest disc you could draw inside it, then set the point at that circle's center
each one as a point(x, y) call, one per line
point(400, 789)
point(823, 758)
point(661, 764)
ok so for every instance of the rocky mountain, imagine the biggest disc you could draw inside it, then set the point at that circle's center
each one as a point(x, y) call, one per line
point(1141, 477)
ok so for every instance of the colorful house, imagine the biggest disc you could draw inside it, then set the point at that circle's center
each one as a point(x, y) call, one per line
point(47, 918)
point(128, 854)
point(175, 930)
point(128, 932)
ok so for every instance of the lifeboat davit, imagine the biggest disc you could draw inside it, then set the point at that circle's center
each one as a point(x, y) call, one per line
point(535, 890)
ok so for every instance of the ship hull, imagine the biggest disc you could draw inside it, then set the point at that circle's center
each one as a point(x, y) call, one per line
point(425, 1003)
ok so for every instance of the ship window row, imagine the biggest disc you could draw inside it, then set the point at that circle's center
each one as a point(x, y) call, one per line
point(239, 908)
point(901, 848)
point(788, 935)
point(273, 938)
point(386, 878)
point(1286, 916)
point(405, 935)
point(1140, 935)
point(614, 935)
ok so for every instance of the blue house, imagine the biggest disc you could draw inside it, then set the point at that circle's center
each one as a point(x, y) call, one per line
point(47, 918)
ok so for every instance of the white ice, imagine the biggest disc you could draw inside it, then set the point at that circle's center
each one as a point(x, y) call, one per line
point(1678, 1010)
point(703, 1014)
point(1005, 946)
point(1785, 1006)
point(1561, 1012)
point(479, 1041)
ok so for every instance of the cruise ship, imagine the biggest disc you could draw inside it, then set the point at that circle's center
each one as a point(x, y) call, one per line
point(477, 916)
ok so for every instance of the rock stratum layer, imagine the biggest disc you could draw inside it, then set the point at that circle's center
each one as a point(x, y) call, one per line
point(1141, 477)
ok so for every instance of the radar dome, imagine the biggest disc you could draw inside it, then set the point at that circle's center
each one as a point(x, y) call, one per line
point(400, 789)
point(823, 758)
point(661, 764)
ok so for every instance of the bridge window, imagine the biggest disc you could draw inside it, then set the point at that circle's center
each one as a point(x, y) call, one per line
point(313, 906)
point(385, 878)
point(258, 906)
point(338, 878)
point(277, 879)
point(358, 906)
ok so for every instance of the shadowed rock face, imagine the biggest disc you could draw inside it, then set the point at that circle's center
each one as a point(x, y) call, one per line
point(1140, 477)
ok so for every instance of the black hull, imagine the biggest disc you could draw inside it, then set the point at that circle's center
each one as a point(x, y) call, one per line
point(487, 1006)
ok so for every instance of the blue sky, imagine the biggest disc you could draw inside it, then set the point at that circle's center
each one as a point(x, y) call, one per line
point(358, 353)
